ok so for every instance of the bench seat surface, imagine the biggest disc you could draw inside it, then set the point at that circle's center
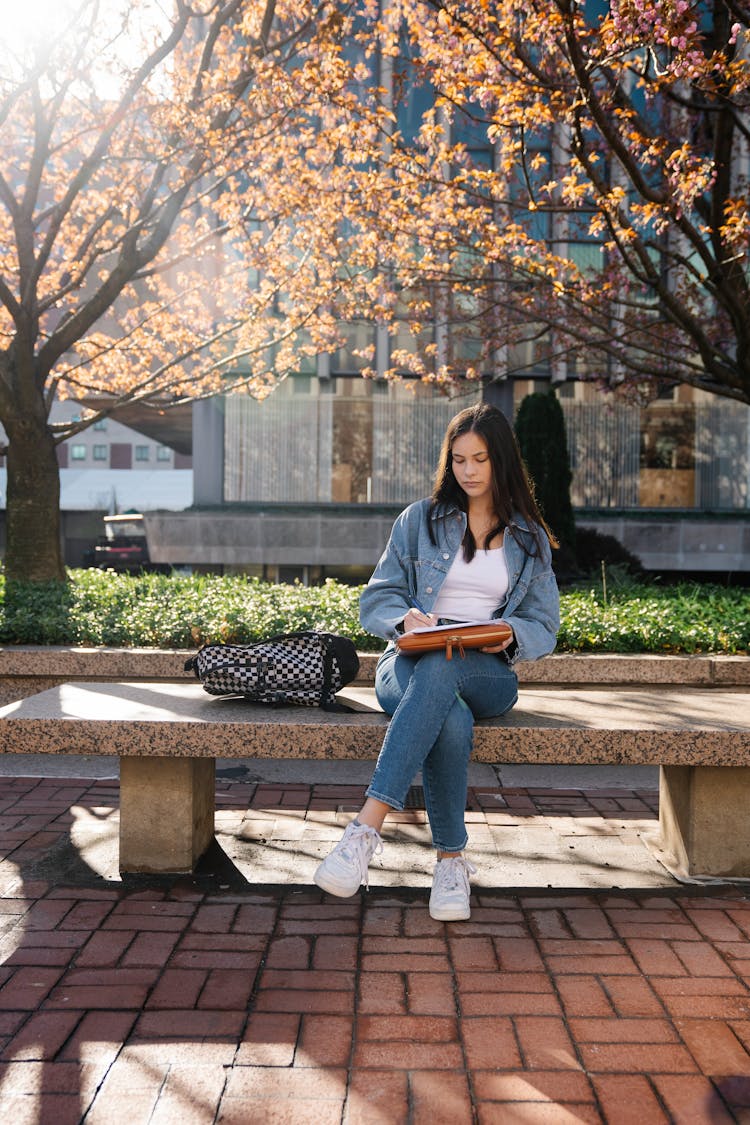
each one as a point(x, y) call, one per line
point(659, 725)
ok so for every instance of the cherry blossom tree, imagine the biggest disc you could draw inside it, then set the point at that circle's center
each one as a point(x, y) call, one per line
point(583, 179)
point(165, 227)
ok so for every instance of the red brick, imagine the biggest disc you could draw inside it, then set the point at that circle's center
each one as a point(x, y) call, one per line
point(417, 1029)
point(213, 919)
point(708, 1007)
point(189, 1095)
point(211, 959)
point(536, 1113)
point(599, 948)
point(104, 949)
point(628, 1099)
point(46, 915)
point(226, 988)
point(503, 982)
point(588, 923)
point(407, 1056)
point(288, 953)
point(385, 921)
point(325, 1041)
point(490, 1042)
point(335, 952)
point(622, 1031)
point(403, 962)
point(86, 915)
point(532, 1086)
point(298, 1000)
point(90, 977)
point(254, 918)
point(98, 996)
point(161, 923)
point(521, 956)
point(691, 1099)
point(63, 1109)
point(549, 923)
point(377, 1095)
point(735, 1090)
point(148, 949)
point(439, 1098)
point(510, 1004)
point(631, 996)
point(428, 994)
point(658, 931)
point(404, 946)
point(714, 924)
point(270, 1039)
point(328, 925)
point(28, 987)
point(308, 979)
point(581, 963)
point(545, 1044)
point(715, 1047)
point(42, 1036)
point(99, 1036)
point(219, 943)
point(640, 1058)
point(273, 1085)
point(385, 992)
point(52, 956)
point(189, 1024)
point(473, 954)
point(655, 958)
point(701, 959)
point(177, 988)
point(583, 996)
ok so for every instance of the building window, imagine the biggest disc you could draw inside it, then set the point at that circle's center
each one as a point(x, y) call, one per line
point(353, 446)
point(163, 453)
point(100, 452)
point(78, 452)
point(100, 425)
point(142, 453)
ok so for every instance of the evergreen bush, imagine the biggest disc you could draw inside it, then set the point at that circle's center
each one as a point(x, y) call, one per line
point(540, 429)
point(184, 611)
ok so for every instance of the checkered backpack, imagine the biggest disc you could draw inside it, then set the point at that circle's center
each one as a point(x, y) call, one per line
point(305, 668)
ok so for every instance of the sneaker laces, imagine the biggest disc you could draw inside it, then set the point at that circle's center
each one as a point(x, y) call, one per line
point(452, 874)
point(358, 845)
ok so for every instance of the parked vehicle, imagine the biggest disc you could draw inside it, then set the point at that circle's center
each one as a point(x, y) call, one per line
point(124, 546)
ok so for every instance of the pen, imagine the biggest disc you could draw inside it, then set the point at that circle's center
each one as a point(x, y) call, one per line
point(421, 608)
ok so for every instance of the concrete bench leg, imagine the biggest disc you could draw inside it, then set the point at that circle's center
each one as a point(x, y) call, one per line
point(166, 813)
point(704, 816)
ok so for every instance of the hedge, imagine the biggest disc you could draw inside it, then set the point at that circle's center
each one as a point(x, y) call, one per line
point(184, 611)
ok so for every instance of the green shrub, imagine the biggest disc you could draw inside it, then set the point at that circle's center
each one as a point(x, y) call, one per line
point(183, 611)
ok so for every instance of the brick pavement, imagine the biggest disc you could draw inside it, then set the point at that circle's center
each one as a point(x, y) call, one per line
point(184, 1002)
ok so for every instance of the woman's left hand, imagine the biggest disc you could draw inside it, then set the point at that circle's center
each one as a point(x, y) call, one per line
point(503, 645)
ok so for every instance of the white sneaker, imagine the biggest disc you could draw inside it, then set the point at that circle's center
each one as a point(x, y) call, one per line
point(344, 870)
point(449, 900)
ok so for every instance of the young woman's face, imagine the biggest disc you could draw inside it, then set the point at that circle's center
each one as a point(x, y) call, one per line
point(471, 466)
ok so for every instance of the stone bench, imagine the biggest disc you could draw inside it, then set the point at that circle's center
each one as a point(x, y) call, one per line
point(168, 735)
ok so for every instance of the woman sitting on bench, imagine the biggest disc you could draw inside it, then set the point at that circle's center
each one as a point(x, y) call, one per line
point(478, 548)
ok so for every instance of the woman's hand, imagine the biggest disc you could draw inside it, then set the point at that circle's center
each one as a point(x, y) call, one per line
point(503, 645)
point(415, 619)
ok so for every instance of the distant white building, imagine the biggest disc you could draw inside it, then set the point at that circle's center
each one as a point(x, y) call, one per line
point(112, 468)
point(106, 469)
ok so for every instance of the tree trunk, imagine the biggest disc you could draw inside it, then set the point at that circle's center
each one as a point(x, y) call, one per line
point(33, 551)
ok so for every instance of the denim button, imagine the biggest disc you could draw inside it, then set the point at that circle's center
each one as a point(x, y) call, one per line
point(446, 555)
point(429, 590)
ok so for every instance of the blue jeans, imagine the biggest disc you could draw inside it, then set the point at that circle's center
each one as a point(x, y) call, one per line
point(433, 703)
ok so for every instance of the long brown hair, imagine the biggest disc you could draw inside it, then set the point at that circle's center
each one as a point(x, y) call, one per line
point(512, 490)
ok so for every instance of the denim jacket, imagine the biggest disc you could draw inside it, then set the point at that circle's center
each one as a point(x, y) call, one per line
point(413, 567)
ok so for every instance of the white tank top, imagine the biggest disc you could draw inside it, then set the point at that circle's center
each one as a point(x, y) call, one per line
point(473, 591)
